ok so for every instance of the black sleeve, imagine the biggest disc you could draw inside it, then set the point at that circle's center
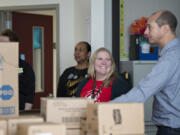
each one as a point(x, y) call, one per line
point(120, 86)
point(27, 83)
point(80, 86)
point(61, 90)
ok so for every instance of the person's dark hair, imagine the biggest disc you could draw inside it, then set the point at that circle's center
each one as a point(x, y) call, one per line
point(11, 34)
point(169, 18)
point(88, 46)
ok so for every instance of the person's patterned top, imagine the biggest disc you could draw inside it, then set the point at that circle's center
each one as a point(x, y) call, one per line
point(69, 81)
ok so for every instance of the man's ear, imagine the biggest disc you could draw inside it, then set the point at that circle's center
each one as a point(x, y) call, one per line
point(166, 28)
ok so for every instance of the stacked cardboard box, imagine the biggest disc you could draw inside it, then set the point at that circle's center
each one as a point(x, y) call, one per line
point(3, 127)
point(8, 80)
point(115, 119)
point(13, 122)
point(2, 132)
point(72, 131)
point(66, 111)
point(41, 129)
point(85, 128)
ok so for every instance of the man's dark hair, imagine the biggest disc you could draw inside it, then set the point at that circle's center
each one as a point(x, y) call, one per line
point(169, 18)
point(11, 34)
point(88, 46)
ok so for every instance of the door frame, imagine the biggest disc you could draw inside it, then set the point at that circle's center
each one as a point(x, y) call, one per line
point(39, 8)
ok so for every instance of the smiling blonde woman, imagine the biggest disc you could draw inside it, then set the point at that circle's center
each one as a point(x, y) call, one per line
point(102, 83)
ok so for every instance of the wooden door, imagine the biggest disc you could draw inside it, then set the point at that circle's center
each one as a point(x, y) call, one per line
point(23, 24)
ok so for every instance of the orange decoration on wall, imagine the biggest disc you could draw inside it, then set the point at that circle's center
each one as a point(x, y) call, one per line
point(138, 26)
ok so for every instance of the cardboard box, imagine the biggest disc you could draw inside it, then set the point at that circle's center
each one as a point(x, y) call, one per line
point(41, 129)
point(116, 118)
point(12, 123)
point(2, 132)
point(3, 126)
point(85, 129)
point(66, 111)
point(83, 126)
point(9, 80)
point(73, 131)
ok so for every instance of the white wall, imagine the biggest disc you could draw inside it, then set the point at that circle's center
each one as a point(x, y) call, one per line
point(135, 9)
point(82, 18)
point(101, 24)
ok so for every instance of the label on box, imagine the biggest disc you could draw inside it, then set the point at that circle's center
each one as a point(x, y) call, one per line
point(6, 92)
point(7, 110)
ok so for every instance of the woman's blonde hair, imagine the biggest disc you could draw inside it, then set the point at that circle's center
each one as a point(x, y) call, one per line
point(91, 69)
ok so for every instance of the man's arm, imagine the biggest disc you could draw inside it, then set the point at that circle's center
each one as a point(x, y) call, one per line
point(153, 82)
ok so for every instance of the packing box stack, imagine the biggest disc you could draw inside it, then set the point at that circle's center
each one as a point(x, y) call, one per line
point(3, 127)
point(68, 111)
point(13, 122)
point(115, 119)
point(73, 131)
point(8, 80)
point(2, 132)
point(41, 129)
point(84, 128)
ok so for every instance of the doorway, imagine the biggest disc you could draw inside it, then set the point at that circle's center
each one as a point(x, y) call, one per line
point(35, 34)
point(43, 10)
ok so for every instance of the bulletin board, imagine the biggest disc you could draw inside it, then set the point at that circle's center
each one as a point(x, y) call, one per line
point(123, 54)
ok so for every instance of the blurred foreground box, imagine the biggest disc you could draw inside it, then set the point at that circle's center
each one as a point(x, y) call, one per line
point(3, 127)
point(66, 111)
point(115, 118)
point(41, 129)
point(2, 132)
point(9, 80)
point(13, 122)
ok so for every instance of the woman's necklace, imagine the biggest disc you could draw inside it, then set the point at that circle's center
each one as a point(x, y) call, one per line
point(93, 95)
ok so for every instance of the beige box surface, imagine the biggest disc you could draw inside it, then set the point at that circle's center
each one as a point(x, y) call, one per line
point(41, 129)
point(116, 118)
point(2, 132)
point(73, 132)
point(85, 128)
point(83, 124)
point(12, 123)
point(66, 111)
point(3, 126)
point(8, 80)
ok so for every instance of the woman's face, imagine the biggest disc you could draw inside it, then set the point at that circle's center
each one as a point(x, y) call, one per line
point(102, 64)
point(80, 53)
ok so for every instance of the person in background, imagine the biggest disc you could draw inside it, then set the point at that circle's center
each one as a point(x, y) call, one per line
point(102, 83)
point(164, 80)
point(26, 75)
point(71, 77)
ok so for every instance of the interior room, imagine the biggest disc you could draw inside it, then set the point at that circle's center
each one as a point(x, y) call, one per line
point(101, 23)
